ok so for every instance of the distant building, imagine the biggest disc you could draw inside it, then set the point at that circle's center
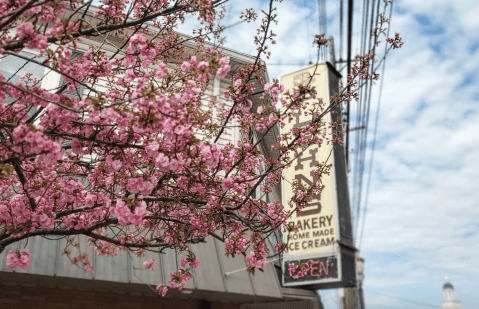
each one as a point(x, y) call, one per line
point(450, 301)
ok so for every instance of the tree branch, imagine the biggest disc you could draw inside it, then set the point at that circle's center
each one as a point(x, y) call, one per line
point(58, 232)
point(20, 11)
point(108, 28)
point(23, 180)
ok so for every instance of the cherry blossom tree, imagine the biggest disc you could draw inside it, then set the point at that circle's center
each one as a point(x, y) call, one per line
point(135, 164)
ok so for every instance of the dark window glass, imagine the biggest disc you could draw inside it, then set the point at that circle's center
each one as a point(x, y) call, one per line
point(13, 68)
point(78, 91)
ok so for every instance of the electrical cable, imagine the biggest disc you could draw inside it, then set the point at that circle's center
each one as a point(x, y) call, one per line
point(284, 64)
point(408, 300)
point(364, 26)
point(322, 26)
point(235, 24)
point(362, 136)
point(308, 34)
point(359, 120)
point(367, 113)
point(365, 121)
point(325, 22)
point(350, 32)
point(341, 9)
point(373, 146)
point(356, 143)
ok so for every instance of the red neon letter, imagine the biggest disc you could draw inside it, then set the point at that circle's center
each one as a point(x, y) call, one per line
point(326, 268)
point(314, 268)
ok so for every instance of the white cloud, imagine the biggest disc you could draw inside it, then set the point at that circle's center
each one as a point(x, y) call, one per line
point(424, 194)
point(423, 216)
point(423, 219)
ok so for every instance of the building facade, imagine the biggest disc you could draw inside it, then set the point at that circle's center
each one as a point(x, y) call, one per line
point(122, 282)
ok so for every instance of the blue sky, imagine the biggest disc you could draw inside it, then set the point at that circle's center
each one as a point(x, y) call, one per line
point(423, 216)
point(423, 213)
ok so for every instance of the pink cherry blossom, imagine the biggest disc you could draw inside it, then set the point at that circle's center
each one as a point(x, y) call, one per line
point(254, 261)
point(162, 289)
point(186, 66)
point(238, 83)
point(150, 264)
point(133, 138)
point(267, 87)
point(228, 183)
point(24, 30)
point(221, 73)
point(223, 61)
point(18, 258)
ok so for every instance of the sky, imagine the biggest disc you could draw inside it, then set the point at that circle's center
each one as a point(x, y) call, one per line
point(422, 219)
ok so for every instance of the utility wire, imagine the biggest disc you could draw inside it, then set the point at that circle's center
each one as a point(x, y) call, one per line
point(409, 300)
point(365, 114)
point(322, 26)
point(350, 37)
point(374, 136)
point(359, 116)
point(309, 38)
point(310, 58)
point(285, 64)
point(235, 24)
point(341, 9)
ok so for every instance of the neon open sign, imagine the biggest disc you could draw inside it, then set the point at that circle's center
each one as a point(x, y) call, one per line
point(311, 269)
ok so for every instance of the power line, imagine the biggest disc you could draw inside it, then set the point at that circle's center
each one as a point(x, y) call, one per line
point(359, 119)
point(322, 26)
point(285, 64)
point(308, 34)
point(341, 9)
point(374, 136)
point(361, 114)
point(235, 24)
point(350, 38)
point(365, 112)
point(408, 300)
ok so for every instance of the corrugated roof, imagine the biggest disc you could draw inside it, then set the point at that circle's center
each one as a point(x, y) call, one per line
point(216, 272)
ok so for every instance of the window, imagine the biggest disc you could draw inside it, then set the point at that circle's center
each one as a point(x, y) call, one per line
point(78, 91)
point(13, 68)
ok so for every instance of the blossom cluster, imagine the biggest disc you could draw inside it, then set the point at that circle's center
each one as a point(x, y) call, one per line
point(299, 270)
point(83, 261)
point(137, 159)
point(18, 258)
point(179, 278)
point(150, 264)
